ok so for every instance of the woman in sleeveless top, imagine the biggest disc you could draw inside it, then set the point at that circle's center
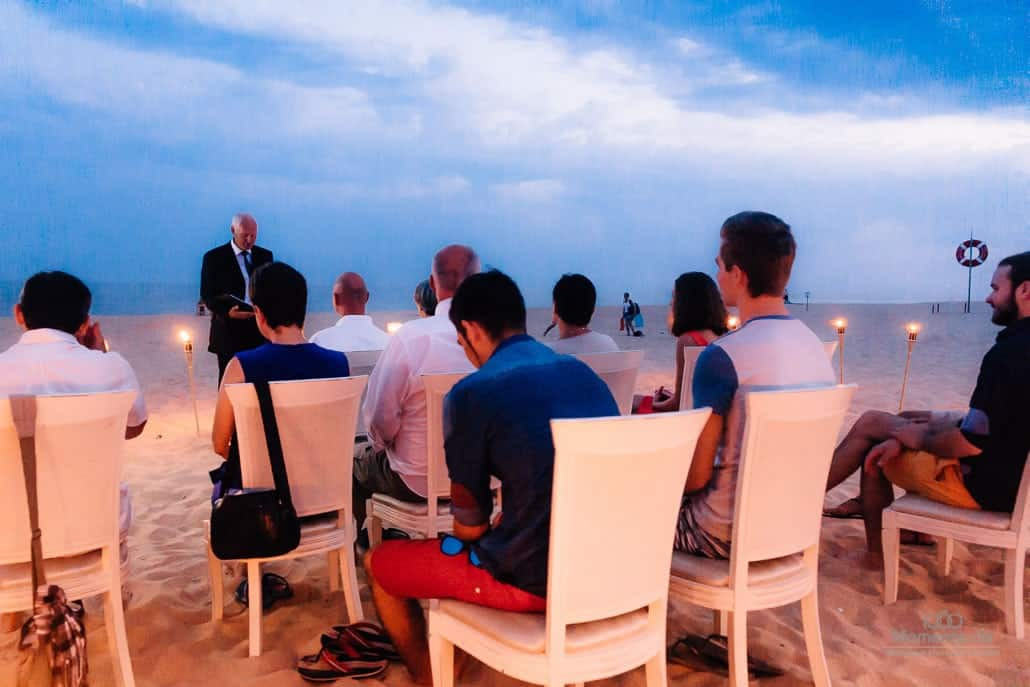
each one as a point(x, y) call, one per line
point(279, 295)
point(697, 317)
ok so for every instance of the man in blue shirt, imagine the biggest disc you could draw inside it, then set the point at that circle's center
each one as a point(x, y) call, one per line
point(496, 424)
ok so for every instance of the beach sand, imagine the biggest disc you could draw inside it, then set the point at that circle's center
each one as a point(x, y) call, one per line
point(173, 641)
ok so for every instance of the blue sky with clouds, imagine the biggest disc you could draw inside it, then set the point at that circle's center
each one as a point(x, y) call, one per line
point(599, 136)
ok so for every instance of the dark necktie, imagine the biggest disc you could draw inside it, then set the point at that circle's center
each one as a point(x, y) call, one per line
point(247, 263)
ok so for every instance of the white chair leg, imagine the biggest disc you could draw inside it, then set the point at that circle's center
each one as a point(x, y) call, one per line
point(255, 608)
point(441, 660)
point(945, 550)
point(814, 639)
point(349, 577)
point(118, 644)
point(334, 564)
point(375, 531)
point(720, 621)
point(1015, 563)
point(738, 648)
point(655, 671)
point(891, 542)
point(214, 569)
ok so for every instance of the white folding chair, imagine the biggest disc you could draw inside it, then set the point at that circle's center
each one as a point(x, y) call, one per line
point(830, 347)
point(433, 516)
point(79, 443)
point(316, 420)
point(362, 362)
point(607, 572)
point(1008, 531)
point(690, 356)
point(619, 371)
point(788, 442)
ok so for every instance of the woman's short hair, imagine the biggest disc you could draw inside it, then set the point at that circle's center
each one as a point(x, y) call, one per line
point(281, 293)
point(697, 305)
point(425, 297)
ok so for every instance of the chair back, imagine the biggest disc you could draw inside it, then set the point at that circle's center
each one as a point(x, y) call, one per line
point(830, 347)
point(1021, 513)
point(362, 362)
point(438, 480)
point(789, 436)
point(690, 355)
point(605, 561)
point(619, 370)
point(79, 444)
point(316, 419)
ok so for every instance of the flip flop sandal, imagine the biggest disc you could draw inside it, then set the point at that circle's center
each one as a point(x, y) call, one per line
point(327, 667)
point(713, 650)
point(273, 588)
point(367, 639)
point(836, 511)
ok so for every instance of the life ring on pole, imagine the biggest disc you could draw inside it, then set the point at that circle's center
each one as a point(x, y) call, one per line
point(962, 252)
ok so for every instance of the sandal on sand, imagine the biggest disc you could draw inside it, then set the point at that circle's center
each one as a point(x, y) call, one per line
point(846, 510)
point(712, 653)
point(273, 588)
point(325, 666)
point(369, 641)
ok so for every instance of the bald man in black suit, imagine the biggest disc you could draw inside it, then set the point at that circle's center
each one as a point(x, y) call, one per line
point(225, 273)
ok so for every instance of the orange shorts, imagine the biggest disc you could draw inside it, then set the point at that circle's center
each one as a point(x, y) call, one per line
point(938, 479)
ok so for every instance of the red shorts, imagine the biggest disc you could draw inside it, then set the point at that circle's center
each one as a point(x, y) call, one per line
point(421, 570)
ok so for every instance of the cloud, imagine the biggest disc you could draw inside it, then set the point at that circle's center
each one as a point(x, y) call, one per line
point(530, 190)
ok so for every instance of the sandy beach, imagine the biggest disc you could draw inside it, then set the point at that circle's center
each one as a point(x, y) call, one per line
point(173, 641)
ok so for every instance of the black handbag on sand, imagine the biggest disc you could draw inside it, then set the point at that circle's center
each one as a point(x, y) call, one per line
point(260, 523)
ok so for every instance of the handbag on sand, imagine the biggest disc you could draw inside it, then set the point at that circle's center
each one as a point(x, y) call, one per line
point(52, 651)
point(261, 523)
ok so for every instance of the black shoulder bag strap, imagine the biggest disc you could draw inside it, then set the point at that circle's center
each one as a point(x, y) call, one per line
point(23, 410)
point(275, 447)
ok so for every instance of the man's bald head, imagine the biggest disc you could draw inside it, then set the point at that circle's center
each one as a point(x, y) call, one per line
point(450, 267)
point(350, 294)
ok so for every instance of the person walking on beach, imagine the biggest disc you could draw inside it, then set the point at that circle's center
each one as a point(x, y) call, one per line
point(224, 288)
point(972, 461)
point(629, 313)
point(354, 331)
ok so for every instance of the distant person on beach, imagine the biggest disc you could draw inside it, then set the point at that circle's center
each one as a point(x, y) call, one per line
point(697, 317)
point(629, 313)
point(497, 424)
point(972, 461)
point(770, 349)
point(279, 294)
point(354, 331)
point(64, 352)
point(425, 299)
point(574, 298)
point(393, 459)
point(225, 276)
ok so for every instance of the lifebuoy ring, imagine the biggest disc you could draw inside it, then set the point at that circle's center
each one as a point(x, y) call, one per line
point(963, 250)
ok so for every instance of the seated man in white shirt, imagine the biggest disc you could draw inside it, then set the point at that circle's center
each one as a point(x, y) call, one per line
point(63, 352)
point(574, 300)
point(393, 461)
point(354, 331)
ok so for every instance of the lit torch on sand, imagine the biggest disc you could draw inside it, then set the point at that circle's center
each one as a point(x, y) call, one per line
point(732, 323)
point(913, 334)
point(187, 349)
point(841, 325)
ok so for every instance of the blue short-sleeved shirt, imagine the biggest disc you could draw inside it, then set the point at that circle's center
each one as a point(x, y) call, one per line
point(497, 424)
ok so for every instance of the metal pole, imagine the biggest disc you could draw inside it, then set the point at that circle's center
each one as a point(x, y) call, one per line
point(840, 354)
point(969, 290)
point(188, 350)
point(904, 379)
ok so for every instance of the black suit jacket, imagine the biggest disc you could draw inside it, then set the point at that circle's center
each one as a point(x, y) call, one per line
point(219, 276)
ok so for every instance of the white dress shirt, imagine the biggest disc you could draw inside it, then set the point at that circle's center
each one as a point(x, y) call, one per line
point(242, 262)
point(590, 342)
point(395, 404)
point(352, 333)
point(49, 361)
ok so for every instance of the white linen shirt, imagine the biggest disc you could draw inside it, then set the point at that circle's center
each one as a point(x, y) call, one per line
point(49, 361)
point(395, 404)
point(590, 342)
point(352, 333)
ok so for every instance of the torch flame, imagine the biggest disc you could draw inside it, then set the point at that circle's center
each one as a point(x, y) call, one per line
point(185, 336)
point(392, 327)
point(732, 322)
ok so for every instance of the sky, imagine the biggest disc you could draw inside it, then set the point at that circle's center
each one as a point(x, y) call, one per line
point(604, 137)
